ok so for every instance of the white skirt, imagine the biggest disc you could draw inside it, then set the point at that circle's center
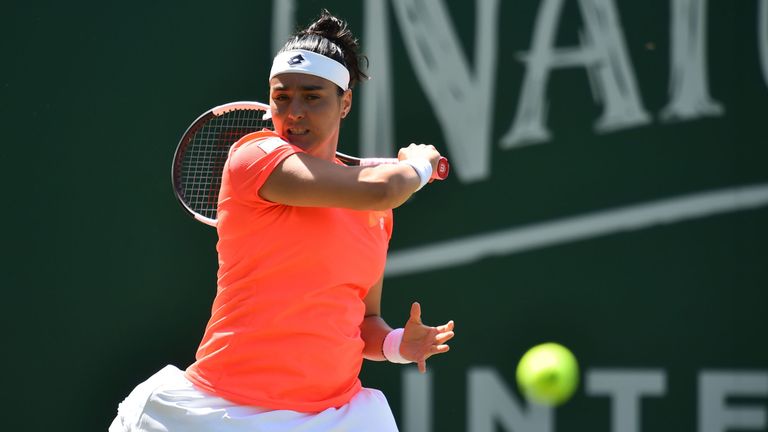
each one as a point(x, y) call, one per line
point(168, 402)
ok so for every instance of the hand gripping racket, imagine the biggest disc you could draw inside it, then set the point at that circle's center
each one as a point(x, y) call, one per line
point(204, 147)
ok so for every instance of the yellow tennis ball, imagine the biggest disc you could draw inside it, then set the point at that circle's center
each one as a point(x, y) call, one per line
point(548, 374)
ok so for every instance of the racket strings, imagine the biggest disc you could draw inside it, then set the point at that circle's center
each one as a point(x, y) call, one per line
point(206, 153)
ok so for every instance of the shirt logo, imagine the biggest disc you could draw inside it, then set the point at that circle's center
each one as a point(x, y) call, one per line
point(377, 218)
point(296, 60)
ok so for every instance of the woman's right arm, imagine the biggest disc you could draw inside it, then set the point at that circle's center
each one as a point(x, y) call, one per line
point(303, 180)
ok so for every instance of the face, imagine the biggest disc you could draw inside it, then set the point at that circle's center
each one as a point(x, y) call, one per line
point(307, 110)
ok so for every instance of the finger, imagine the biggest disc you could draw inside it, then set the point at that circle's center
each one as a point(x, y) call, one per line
point(437, 349)
point(422, 366)
point(416, 312)
point(442, 338)
point(444, 328)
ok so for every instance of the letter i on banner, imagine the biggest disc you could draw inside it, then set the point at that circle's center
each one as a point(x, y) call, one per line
point(689, 81)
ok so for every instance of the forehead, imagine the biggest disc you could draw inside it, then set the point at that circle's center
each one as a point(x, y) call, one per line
point(299, 81)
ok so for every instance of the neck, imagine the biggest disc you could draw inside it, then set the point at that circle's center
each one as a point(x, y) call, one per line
point(326, 150)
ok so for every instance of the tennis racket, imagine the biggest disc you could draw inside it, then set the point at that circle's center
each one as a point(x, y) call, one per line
point(204, 147)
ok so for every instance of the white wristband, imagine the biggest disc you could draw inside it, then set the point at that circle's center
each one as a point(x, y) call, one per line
point(391, 347)
point(423, 169)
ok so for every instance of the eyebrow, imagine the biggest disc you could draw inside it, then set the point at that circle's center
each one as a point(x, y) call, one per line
point(303, 88)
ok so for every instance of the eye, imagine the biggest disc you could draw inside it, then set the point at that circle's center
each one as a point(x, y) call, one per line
point(280, 97)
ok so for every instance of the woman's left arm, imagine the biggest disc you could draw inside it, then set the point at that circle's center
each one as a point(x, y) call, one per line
point(419, 341)
point(374, 329)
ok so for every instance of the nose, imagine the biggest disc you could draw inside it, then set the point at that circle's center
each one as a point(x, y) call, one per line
point(296, 109)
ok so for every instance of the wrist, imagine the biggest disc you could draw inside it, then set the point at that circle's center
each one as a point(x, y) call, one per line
point(422, 167)
point(391, 347)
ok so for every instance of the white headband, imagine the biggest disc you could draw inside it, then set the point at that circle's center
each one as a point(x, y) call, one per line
point(310, 63)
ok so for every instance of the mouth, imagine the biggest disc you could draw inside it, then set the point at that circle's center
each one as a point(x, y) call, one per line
point(297, 131)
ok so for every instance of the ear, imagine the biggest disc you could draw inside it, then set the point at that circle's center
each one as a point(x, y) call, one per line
point(346, 103)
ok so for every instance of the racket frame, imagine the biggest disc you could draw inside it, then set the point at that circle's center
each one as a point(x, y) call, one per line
point(201, 120)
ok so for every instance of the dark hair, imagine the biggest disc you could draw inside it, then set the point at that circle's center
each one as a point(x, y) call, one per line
point(331, 37)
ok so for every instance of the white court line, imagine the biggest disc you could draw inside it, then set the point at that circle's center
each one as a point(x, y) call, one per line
point(635, 217)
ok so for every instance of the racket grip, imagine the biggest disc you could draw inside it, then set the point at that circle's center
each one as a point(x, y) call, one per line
point(443, 168)
point(441, 173)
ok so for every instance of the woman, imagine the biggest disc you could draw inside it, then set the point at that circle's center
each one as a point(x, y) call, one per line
point(302, 247)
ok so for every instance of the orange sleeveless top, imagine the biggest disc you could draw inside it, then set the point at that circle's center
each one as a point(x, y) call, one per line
point(284, 331)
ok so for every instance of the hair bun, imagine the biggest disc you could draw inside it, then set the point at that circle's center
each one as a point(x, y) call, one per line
point(328, 26)
point(331, 37)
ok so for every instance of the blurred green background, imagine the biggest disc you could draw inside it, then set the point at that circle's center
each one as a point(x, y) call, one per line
point(108, 280)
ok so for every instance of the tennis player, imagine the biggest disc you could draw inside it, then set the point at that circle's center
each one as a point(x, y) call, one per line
point(302, 248)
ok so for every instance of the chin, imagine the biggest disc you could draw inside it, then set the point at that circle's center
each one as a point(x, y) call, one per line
point(303, 141)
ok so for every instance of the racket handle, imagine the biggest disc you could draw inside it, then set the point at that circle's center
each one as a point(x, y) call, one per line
point(443, 168)
point(441, 173)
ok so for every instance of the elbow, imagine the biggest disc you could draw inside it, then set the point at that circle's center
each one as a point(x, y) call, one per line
point(391, 193)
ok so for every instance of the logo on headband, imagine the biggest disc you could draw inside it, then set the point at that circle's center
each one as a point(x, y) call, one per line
point(295, 60)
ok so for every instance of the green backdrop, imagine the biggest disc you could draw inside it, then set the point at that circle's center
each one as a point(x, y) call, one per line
point(643, 248)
